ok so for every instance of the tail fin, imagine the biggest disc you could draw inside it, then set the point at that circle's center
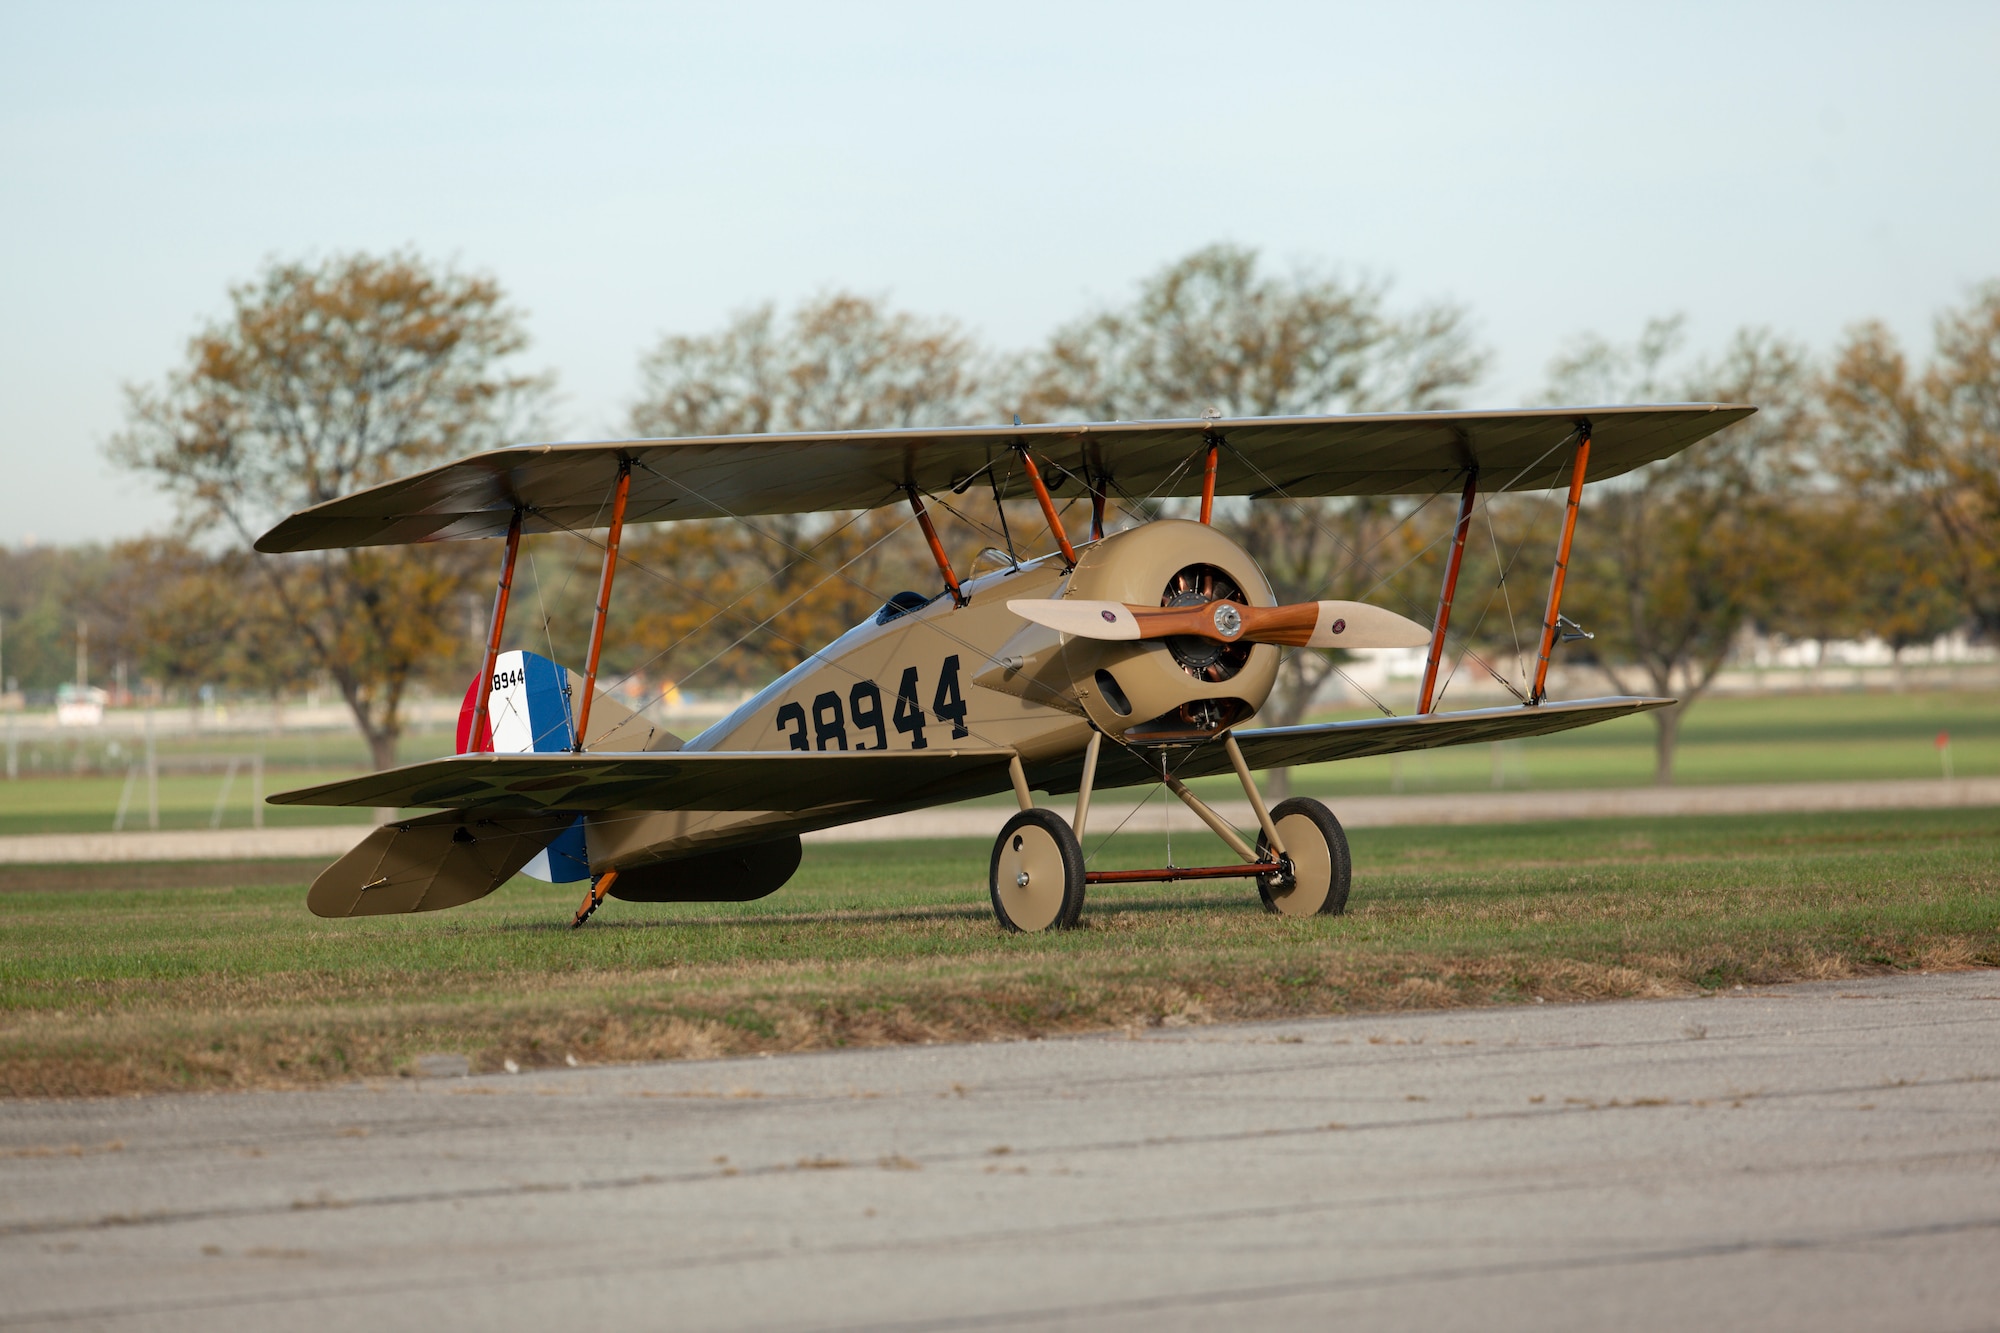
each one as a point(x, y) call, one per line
point(530, 710)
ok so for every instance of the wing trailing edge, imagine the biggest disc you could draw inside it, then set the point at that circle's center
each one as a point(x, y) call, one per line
point(673, 780)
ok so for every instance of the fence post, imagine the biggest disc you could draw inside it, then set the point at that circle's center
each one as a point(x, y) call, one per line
point(222, 797)
point(152, 778)
point(125, 798)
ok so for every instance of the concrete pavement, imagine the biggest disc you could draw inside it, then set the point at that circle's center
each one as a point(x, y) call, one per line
point(1820, 1156)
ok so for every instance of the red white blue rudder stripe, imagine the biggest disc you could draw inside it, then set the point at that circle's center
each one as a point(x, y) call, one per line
point(528, 712)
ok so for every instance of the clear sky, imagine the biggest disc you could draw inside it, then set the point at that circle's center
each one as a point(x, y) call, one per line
point(627, 170)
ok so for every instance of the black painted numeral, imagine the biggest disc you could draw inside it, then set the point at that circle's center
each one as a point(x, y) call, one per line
point(864, 705)
point(948, 704)
point(828, 727)
point(909, 713)
point(791, 712)
point(829, 724)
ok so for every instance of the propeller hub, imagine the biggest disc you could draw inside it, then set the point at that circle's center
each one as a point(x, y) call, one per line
point(1207, 659)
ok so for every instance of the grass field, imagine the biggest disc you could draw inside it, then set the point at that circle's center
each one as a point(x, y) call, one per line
point(1792, 738)
point(127, 978)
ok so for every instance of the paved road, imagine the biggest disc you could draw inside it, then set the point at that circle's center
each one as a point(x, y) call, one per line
point(974, 821)
point(1821, 1156)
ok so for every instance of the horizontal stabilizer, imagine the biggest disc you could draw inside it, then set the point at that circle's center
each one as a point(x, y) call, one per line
point(675, 780)
point(424, 865)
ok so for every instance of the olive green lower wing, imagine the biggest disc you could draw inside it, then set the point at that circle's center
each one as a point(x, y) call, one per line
point(1285, 747)
point(674, 780)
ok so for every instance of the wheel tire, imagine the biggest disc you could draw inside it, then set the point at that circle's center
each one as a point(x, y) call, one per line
point(1037, 846)
point(1316, 846)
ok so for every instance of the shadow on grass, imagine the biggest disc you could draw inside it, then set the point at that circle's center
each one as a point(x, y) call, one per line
point(1108, 907)
point(66, 877)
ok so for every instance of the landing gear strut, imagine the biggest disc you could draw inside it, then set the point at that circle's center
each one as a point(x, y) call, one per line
point(1037, 880)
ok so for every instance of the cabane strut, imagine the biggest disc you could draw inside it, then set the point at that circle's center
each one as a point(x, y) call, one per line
point(1048, 506)
point(958, 597)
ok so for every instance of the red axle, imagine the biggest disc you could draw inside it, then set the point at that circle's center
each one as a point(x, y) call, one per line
point(1172, 873)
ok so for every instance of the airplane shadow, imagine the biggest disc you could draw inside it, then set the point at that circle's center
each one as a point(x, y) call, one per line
point(941, 912)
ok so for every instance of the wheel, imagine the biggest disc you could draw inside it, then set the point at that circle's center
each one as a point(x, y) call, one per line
point(1037, 876)
point(1316, 848)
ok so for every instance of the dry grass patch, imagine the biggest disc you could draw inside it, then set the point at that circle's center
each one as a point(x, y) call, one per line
point(214, 987)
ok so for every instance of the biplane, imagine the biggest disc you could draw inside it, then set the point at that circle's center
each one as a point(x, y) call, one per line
point(1115, 659)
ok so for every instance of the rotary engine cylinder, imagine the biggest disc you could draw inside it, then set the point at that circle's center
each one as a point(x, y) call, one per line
point(1169, 689)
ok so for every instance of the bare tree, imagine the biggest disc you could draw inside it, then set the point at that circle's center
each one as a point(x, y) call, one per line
point(1216, 331)
point(1682, 554)
point(839, 362)
point(321, 380)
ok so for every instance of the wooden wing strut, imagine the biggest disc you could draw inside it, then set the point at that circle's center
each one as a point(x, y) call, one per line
point(1208, 479)
point(618, 498)
point(476, 738)
point(1048, 507)
point(1562, 563)
point(958, 597)
point(1428, 695)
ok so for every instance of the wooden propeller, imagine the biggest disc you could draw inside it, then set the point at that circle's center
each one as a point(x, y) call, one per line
point(1301, 625)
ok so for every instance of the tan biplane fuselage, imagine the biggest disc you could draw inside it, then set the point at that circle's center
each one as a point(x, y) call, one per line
point(978, 674)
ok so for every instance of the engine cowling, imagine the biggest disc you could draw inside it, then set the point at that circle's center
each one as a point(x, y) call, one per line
point(1169, 689)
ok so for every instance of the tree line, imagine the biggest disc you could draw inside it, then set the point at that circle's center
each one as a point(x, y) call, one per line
point(1864, 498)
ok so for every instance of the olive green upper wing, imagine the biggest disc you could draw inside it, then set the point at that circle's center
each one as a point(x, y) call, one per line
point(567, 486)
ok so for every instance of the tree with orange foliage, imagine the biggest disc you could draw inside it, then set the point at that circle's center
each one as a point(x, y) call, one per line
point(1674, 560)
point(322, 380)
point(747, 599)
point(1926, 444)
point(1216, 331)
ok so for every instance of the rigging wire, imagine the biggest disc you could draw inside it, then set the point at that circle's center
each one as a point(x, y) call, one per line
point(1485, 500)
point(729, 609)
point(837, 573)
point(840, 573)
point(1487, 609)
point(1493, 536)
point(1386, 710)
point(1000, 508)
